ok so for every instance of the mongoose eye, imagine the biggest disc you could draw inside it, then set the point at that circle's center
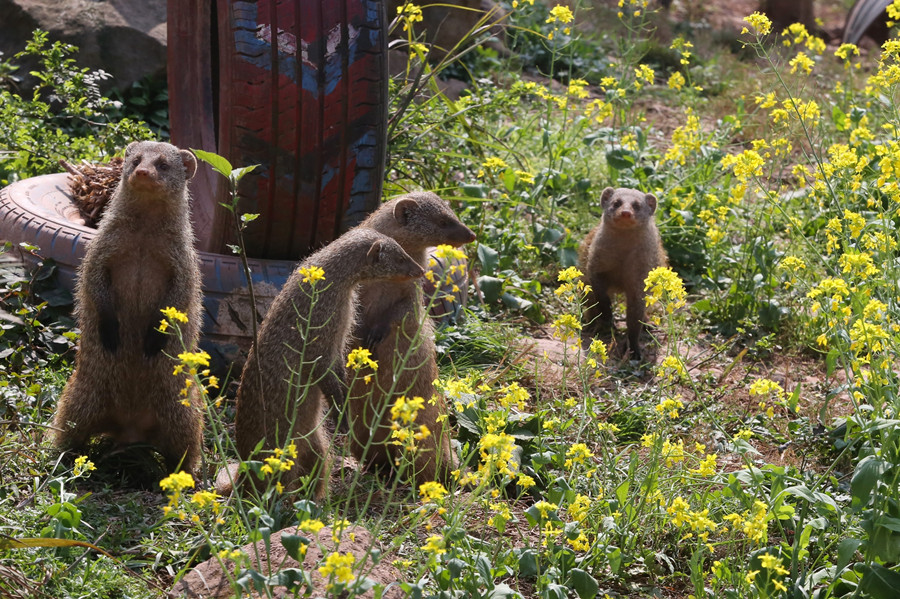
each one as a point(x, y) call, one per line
point(163, 166)
point(617, 203)
point(136, 161)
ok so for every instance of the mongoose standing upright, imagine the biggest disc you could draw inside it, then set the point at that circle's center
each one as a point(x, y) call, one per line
point(141, 261)
point(392, 324)
point(300, 350)
point(616, 257)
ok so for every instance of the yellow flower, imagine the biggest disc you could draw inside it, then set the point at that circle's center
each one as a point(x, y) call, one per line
point(579, 507)
point(802, 62)
point(82, 465)
point(435, 545)
point(846, 50)
point(514, 394)
point(338, 567)
point(311, 274)
point(767, 388)
point(174, 314)
point(194, 359)
point(409, 13)
point(448, 252)
point(707, 466)
point(405, 410)
point(665, 286)
point(760, 23)
point(177, 482)
point(545, 507)
point(569, 275)
point(525, 481)
point(205, 498)
point(311, 526)
point(432, 492)
point(561, 14)
point(359, 358)
point(577, 454)
point(566, 327)
point(676, 81)
point(494, 163)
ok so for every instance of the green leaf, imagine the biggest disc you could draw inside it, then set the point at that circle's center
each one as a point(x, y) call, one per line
point(292, 544)
point(501, 590)
point(840, 119)
point(583, 583)
point(509, 180)
point(473, 190)
point(528, 564)
point(867, 474)
point(514, 302)
point(621, 159)
point(846, 550)
point(491, 288)
point(249, 218)
point(831, 362)
point(238, 173)
point(218, 163)
point(879, 582)
point(489, 259)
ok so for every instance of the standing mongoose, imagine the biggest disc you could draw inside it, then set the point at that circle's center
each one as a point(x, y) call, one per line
point(392, 324)
point(299, 353)
point(616, 257)
point(141, 261)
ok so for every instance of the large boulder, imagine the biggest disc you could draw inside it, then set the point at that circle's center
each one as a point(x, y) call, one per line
point(126, 38)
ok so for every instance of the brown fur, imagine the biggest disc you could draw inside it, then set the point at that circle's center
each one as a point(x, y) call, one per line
point(393, 325)
point(301, 351)
point(141, 261)
point(617, 255)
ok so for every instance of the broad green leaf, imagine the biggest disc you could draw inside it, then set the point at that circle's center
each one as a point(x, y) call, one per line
point(528, 565)
point(583, 583)
point(292, 544)
point(491, 288)
point(489, 259)
point(879, 582)
point(846, 550)
point(238, 173)
point(218, 163)
point(867, 474)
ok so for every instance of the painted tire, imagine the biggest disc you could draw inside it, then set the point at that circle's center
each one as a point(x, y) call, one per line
point(296, 86)
point(39, 211)
point(866, 16)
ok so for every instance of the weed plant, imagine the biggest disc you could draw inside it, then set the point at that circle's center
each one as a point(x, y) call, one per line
point(755, 454)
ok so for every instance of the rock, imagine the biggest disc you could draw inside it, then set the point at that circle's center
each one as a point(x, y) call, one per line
point(208, 580)
point(125, 38)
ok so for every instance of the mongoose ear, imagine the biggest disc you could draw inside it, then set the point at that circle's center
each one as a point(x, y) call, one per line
point(605, 196)
point(130, 147)
point(651, 201)
point(189, 162)
point(403, 208)
point(374, 252)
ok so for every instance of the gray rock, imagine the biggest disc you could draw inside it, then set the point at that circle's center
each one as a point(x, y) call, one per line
point(126, 38)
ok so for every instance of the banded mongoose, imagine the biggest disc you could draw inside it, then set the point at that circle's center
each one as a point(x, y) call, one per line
point(301, 348)
point(616, 257)
point(141, 261)
point(392, 324)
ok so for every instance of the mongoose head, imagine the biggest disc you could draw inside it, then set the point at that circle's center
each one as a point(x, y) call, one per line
point(418, 220)
point(625, 208)
point(156, 169)
point(385, 259)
